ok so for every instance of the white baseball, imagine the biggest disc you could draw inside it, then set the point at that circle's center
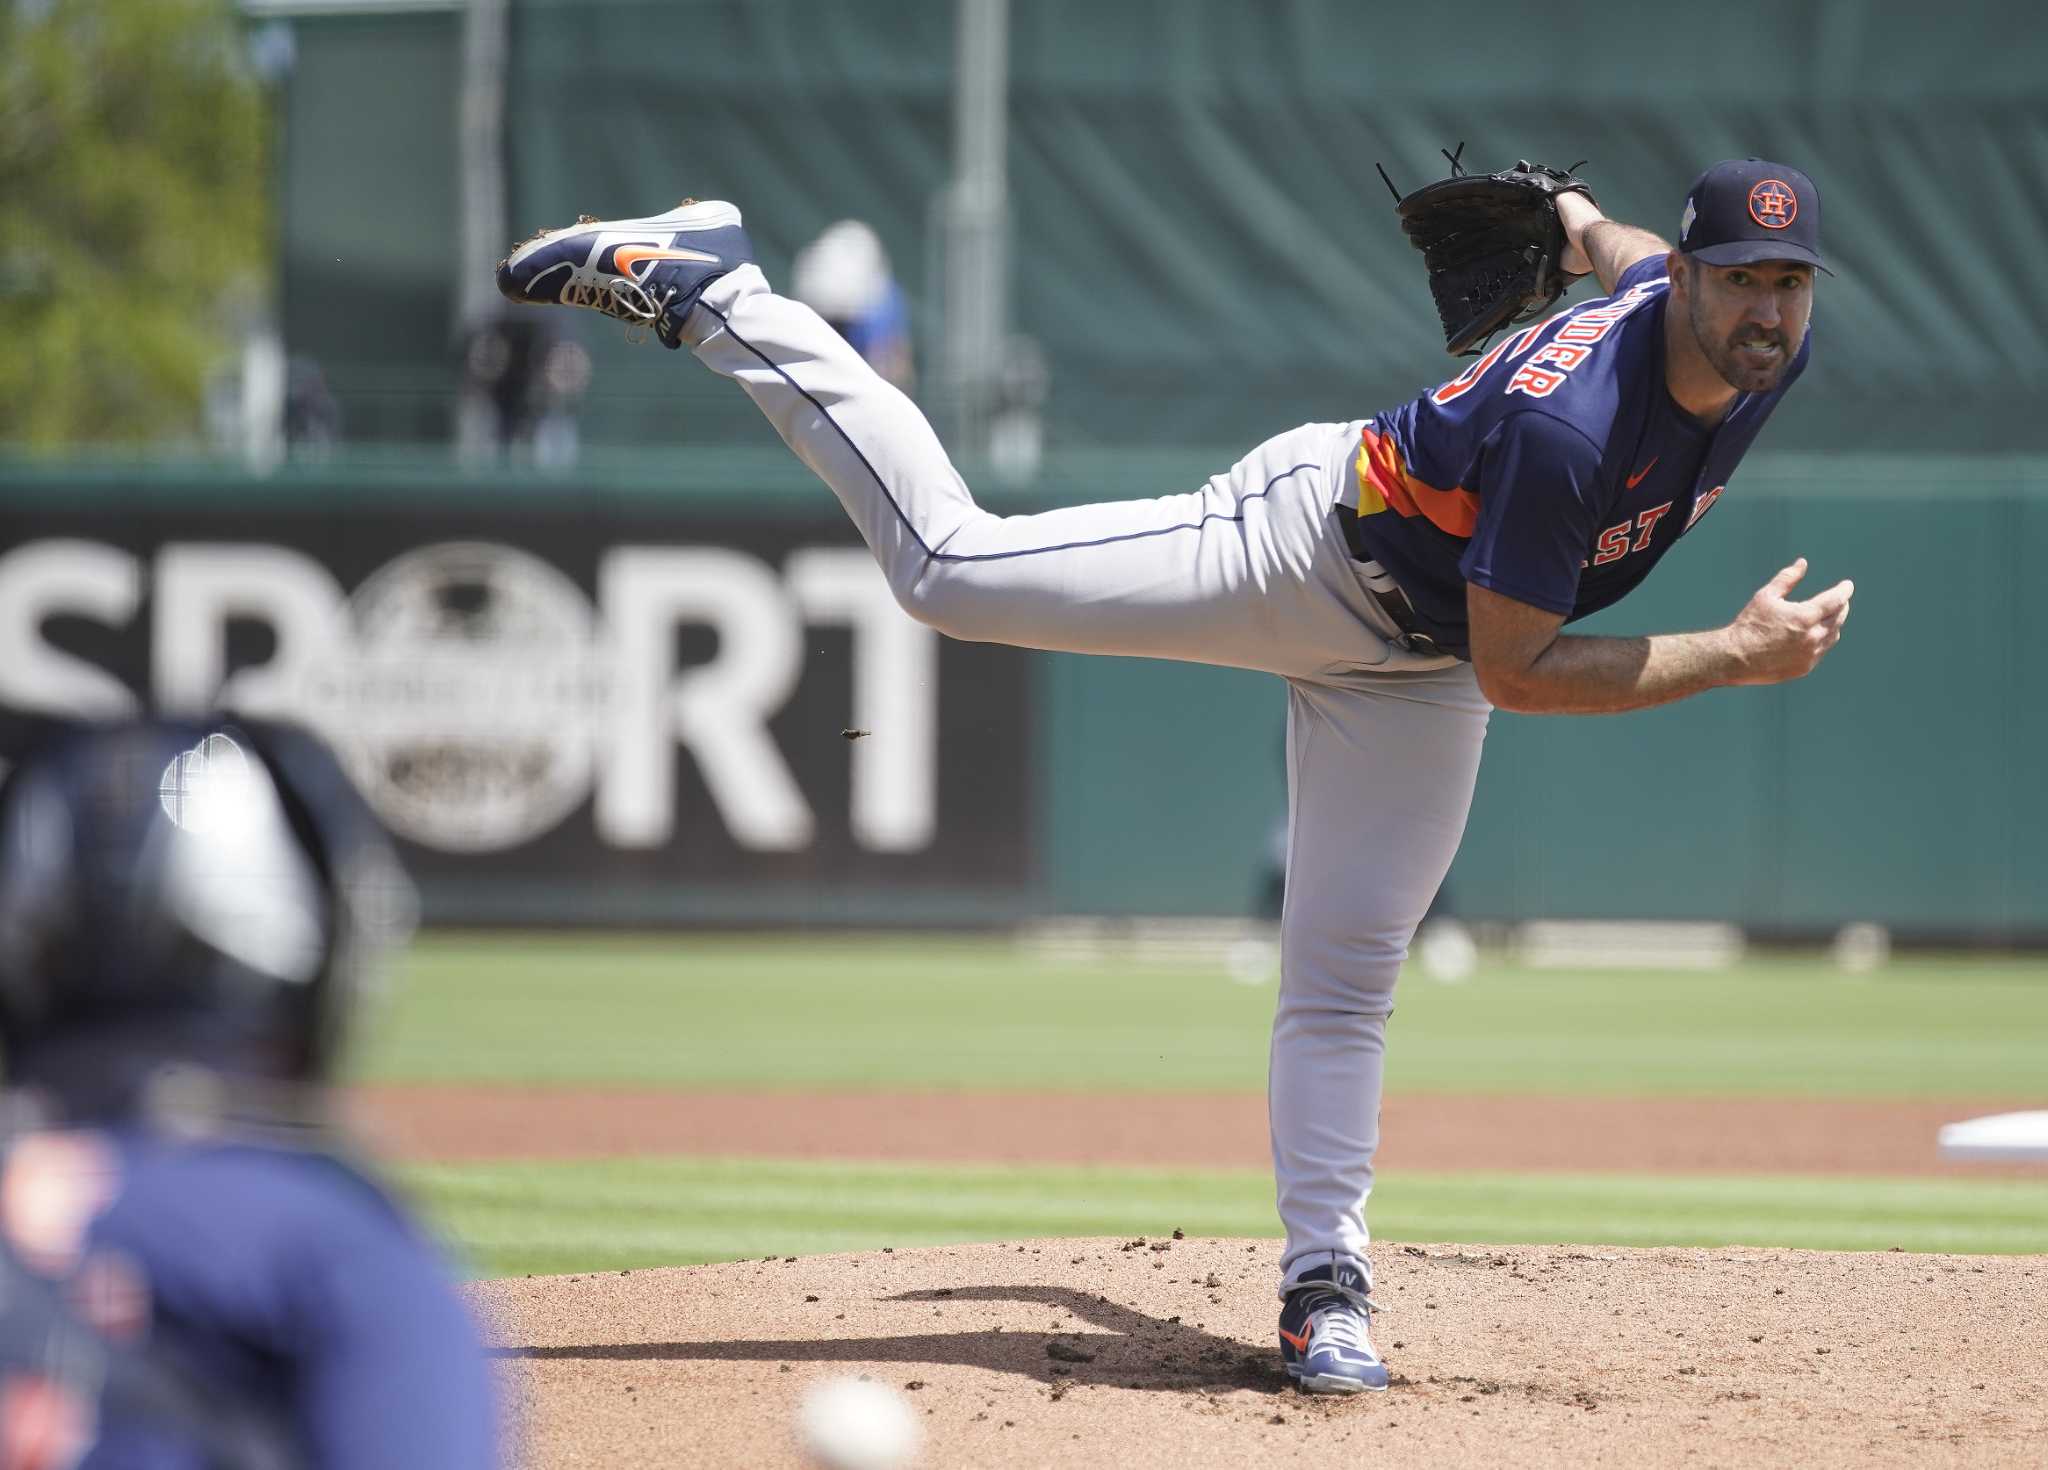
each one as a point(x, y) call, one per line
point(858, 1424)
point(1446, 950)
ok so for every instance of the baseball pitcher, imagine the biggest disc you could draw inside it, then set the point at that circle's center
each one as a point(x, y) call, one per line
point(1404, 573)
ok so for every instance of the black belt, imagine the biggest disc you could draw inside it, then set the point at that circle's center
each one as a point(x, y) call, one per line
point(1386, 591)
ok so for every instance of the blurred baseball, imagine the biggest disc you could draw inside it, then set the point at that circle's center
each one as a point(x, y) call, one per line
point(1446, 950)
point(858, 1424)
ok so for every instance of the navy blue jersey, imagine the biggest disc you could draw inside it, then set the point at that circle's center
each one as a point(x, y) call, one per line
point(1555, 470)
point(280, 1280)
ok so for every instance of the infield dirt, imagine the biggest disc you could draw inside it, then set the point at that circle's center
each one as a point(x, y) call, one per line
point(1141, 1353)
point(1159, 1353)
point(446, 1123)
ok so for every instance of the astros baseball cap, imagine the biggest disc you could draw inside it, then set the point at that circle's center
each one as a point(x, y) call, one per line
point(1746, 209)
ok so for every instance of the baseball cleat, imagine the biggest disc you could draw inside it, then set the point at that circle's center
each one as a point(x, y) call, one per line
point(1326, 1332)
point(645, 272)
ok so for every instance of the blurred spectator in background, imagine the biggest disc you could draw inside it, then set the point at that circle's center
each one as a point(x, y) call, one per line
point(525, 380)
point(1016, 430)
point(192, 1270)
point(844, 277)
point(312, 415)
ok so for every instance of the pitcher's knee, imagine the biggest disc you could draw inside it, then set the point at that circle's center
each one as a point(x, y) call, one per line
point(1358, 972)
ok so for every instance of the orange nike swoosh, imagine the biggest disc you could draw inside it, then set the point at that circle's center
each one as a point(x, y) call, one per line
point(628, 256)
point(1300, 1343)
point(1637, 478)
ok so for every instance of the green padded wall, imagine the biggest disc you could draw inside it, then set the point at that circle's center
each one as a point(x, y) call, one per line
point(1200, 240)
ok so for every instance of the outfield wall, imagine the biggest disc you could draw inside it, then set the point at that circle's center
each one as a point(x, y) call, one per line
point(625, 697)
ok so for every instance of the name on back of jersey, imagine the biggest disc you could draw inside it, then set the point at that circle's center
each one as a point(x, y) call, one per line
point(1548, 368)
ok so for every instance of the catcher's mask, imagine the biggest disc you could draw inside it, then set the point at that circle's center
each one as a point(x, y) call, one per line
point(203, 898)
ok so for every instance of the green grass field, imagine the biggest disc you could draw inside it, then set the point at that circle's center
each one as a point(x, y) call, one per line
point(613, 1214)
point(865, 1011)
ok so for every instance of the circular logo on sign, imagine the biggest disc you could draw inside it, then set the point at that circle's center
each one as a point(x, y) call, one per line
point(468, 702)
point(1772, 204)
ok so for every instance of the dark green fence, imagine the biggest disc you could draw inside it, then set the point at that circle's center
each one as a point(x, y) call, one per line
point(1200, 241)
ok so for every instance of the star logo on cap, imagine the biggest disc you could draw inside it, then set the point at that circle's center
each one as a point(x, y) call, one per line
point(1772, 204)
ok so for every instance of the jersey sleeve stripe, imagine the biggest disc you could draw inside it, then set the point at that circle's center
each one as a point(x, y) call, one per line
point(1385, 484)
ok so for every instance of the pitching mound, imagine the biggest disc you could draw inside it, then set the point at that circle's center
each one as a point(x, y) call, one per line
point(1160, 1353)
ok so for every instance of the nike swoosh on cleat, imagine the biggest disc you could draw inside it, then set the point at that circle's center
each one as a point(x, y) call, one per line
point(1300, 1344)
point(1637, 478)
point(628, 256)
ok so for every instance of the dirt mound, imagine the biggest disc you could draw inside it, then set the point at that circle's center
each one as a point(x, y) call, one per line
point(1160, 1353)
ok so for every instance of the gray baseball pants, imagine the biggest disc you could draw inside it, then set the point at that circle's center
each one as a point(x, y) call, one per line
point(1250, 572)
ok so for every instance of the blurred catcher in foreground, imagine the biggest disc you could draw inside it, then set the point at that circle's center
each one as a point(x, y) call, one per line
point(192, 1272)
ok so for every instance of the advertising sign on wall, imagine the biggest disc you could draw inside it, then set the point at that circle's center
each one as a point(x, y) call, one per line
point(579, 701)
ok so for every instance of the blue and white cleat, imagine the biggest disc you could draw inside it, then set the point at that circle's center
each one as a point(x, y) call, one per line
point(1326, 1332)
point(646, 272)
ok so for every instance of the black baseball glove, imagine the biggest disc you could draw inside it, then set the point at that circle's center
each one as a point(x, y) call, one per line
point(1492, 243)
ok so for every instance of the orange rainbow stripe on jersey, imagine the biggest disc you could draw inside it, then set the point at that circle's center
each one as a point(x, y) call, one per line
point(1385, 484)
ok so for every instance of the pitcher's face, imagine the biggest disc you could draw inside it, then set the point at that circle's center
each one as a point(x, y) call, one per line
point(1749, 320)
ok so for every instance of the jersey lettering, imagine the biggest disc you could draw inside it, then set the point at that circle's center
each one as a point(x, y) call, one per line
point(1648, 522)
point(1536, 380)
point(1459, 386)
point(1544, 373)
point(1582, 329)
point(1567, 355)
point(1701, 506)
point(1590, 326)
point(1613, 543)
point(1616, 542)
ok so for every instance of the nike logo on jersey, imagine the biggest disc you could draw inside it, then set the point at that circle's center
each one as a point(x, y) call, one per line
point(1637, 478)
point(628, 256)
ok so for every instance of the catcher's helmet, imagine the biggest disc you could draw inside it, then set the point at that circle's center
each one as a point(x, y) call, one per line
point(207, 894)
